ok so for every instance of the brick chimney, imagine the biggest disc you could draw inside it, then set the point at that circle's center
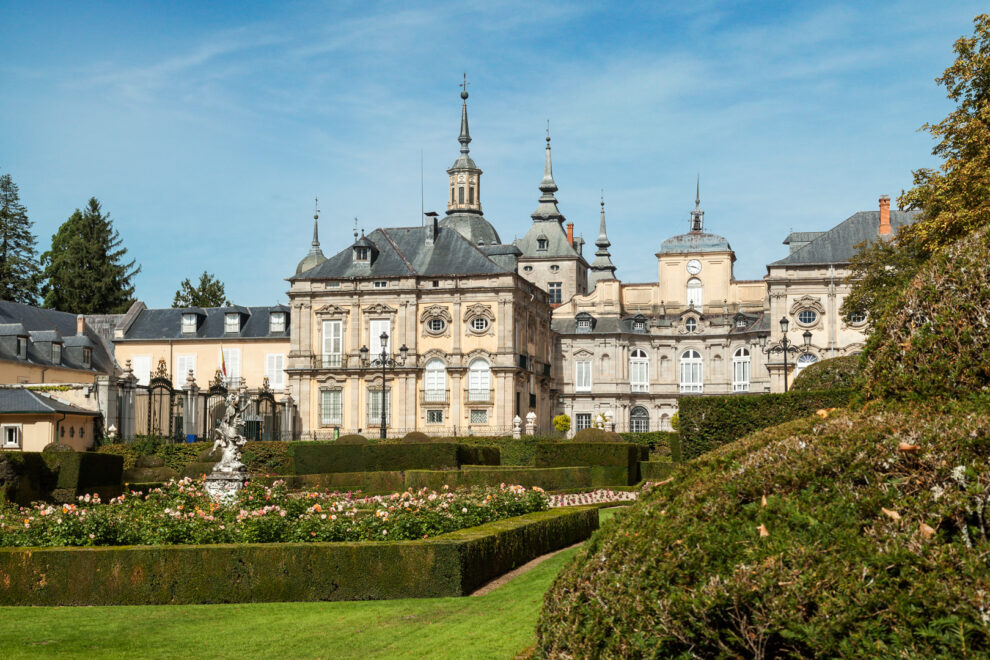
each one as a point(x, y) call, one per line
point(570, 233)
point(884, 215)
point(80, 324)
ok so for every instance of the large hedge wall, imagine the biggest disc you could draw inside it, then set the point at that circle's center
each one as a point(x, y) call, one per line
point(546, 478)
point(450, 565)
point(375, 483)
point(322, 457)
point(707, 422)
point(259, 457)
point(662, 444)
point(513, 451)
point(612, 463)
point(838, 372)
point(59, 476)
point(934, 340)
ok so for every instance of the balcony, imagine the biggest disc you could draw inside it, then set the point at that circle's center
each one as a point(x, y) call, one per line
point(331, 361)
point(434, 396)
point(233, 382)
point(477, 396)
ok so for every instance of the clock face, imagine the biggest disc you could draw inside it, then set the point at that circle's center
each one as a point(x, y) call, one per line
point(694, 266)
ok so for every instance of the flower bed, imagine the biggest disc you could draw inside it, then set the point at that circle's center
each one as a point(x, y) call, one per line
point(182, 513)
point(601, 496)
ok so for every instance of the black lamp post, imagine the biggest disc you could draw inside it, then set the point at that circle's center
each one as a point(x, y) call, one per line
point(384, 361)
point(784, 346)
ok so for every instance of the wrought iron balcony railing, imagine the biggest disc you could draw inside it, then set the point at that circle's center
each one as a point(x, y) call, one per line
point(434, 396)
point(479, 396)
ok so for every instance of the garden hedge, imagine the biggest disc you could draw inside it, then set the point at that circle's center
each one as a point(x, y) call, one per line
point(259, 457)
point(513, 451)
point(662, 444)
point(61, 476)
point(322, 457)
point(655, 470)
point(546, 478)
point(838, 372)
point(707, 422)
point(454, 564)
point(375, 483)
point(612, 463)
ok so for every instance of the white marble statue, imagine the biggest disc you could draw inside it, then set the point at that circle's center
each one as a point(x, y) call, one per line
point(228, 440)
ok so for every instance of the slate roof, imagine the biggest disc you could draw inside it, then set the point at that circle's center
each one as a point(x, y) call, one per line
point(695, 241)
point(403, 252)
point(21, 401)
point(473, 227)
point(557, 245)
point(838, 244)
point(33, 320)
point(167, 324)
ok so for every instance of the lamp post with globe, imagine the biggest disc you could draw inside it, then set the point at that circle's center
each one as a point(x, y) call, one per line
point(385, 362)
point(784, 346)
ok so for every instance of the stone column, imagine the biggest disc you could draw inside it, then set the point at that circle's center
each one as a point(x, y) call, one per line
point(287, 430)
point(190, 413)
point(128, 385)
point(106, 399)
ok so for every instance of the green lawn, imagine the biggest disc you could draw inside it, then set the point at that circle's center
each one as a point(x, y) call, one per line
point(496, 625)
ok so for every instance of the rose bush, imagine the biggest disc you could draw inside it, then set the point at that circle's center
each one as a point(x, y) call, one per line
point(181, 512)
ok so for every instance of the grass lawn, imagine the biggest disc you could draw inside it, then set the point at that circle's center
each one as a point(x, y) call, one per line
point(496, 625)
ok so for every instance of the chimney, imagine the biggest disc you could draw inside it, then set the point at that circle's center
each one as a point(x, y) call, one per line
point(570, 233)
point(80, 325)
point(884, 215)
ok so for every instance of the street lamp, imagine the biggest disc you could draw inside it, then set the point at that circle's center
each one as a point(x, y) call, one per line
point(384, 361)
point(784, 346)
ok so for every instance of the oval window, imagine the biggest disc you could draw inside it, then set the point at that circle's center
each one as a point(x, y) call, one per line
point(436, 325)
point(479, 324)
point(691, 325)
point(807, 316)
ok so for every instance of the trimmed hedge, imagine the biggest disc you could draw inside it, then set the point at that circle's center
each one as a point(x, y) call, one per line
point(454, 564)
point(655, 470)
point(259, 457)
point(596, 435)
point(321, 457)
point(372, 483)
point(546, 478)
point(662, 444)
point(708, 422)
point(838, 372)
point(612, 463)
point(511, 450)
point(61, 476)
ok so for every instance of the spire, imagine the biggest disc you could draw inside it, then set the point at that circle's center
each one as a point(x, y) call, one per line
point(697, 215)
point(315, 255)
point(602, 267)
point(547, 207)
point(465, 136)
point(316, 226)
point(464, 176)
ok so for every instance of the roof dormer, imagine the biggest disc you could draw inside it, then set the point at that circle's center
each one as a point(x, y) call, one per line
point(234, 318)
point(584, 322)
point(192, 318)
point(14, 340)
point(364, 252)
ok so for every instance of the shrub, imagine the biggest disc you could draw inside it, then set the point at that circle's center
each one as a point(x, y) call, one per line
point(934, 339)
point(352, 439)
point(511, 450)
point(662, 444)
point(149, 462)
point(840, 372)
point(561, 478)
point(416, 436)
point(612, 463)
point(712, 421)
point(849, 536)
point(319, 457)
point(596, 435)
point(562, 423)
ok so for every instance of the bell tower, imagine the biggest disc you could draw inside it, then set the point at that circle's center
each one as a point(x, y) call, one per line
point(464, 175)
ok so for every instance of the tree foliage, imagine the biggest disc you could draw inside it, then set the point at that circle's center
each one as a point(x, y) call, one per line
point(20, 273)
point(85, 269)
point(954, 199)
point(208, 293)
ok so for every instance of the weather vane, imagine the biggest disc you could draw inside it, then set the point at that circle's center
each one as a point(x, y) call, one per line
point(463, 86)
point(316, 208)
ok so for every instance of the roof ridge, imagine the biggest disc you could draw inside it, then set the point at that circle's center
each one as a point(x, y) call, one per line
point(395, 247)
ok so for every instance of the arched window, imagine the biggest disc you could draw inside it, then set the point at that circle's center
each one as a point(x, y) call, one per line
point(665, 422)
point(639, 420)
point(435, 386)
point(479, 381)
point(804, 360)
point(639, 371)
point(694, 293)
point(740, 370)
point(460, 194)
point(691, 375)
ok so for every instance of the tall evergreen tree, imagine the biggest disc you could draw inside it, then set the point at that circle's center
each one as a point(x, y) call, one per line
point(209, 293)
point(85, 269)
point(20, 272)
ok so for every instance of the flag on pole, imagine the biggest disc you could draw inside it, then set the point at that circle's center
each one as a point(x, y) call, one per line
point(223, 363)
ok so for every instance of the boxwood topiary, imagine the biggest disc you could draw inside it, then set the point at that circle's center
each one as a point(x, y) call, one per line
point(934, 340)
point(597, 435)
point(352, 439)
point(838, 372)
point(416, 436)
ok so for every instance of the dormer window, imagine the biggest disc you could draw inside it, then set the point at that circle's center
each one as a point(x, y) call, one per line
point(56, 353)
point(87, 356)
point(691, 325)
point(188, 323)
point(542, 244)
point(276, 322)
point(232, 323)
point(362, 254)
point(639, 324)
point(22, 348)
point(583, 322)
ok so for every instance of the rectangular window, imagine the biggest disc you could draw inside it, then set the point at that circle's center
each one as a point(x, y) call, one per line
point(582, 421)
point(434, 417)
point(479, 416)
point(11, 434)
point(141, 365)
point(330, 407)
point(232, 323)
point(22, 348)
point(333, 285)
point(582, 375)
point(555, 289)
point(375, 407)
point(471, 195)
point(276, 322)
point(333, 343)
point(460, 194)
point(56, 353)
point(188, 323)
point(361, 254)
point(740, 375)
point(87, 357)
point(275, 370)
point(639, 375)
point(381, 284)
point(183, 365)
point(232, 360)
point(584, 326)
point(375, 341)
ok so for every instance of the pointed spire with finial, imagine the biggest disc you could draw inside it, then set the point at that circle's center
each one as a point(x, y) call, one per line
point(315, 256)
point(316, 223)
point(465, 136)
point(602, 267)
point(465, 177)
point(547, 208)
point(697, 215)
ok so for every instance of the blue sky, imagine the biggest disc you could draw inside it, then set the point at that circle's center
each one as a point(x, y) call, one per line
point(206, 128)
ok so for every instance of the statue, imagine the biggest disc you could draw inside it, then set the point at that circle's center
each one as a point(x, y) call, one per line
point(229, 473)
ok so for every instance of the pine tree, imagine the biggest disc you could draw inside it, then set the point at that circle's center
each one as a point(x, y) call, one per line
point(85, 269)
point(20, 272)
point(209, 293)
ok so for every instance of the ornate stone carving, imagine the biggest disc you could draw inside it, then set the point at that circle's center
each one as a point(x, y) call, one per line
point(332, 310)
point(379, 308)
point(229, 473)
point(436, 312)
point(480, 311)
point(807, 302)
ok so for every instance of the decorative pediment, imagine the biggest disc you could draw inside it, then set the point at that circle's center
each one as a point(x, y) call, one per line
point(379, 308)
point(583, 353)
point(477, 310)
point(480, 319)
point(435, 312)
point(807, 302)
point(436, 321)
point(434, 353)
point(328, 382)
point(332, 310)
